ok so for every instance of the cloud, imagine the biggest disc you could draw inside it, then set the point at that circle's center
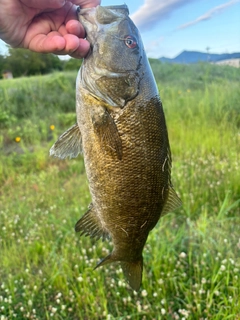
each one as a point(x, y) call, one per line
point(209, 14)
point(153, 11)
point(153, 45)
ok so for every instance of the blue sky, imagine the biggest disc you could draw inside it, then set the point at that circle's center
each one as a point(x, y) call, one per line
point(170, 26)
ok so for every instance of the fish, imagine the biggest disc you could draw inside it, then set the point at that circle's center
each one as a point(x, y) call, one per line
point(121, 132)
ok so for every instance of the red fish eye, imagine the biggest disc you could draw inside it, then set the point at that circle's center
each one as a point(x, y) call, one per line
point(130, 42)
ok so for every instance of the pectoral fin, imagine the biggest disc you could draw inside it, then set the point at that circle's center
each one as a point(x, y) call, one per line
point(69, 144)
point(173, 202)
point(90, 225)
point(107, 132)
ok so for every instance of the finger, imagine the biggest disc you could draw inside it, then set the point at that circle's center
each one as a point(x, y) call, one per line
point(54, 42)
point(44, 4)
point(76, 28)
point(75, 47)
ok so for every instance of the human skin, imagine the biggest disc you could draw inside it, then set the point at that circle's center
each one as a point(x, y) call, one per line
point(46, 26)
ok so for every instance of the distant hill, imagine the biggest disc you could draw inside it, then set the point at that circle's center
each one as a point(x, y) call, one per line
point(195, 56)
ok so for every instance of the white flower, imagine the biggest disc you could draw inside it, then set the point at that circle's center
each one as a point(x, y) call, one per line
point(54, 310)
point(182, 255)
point(222, 268)
point(80, 279)
point(163, 311)
point(144, 293)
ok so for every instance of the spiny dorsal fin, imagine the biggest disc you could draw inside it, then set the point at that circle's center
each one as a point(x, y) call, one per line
point(107, 131)
point(69, 144)
point(90, 225)
point(173, 202)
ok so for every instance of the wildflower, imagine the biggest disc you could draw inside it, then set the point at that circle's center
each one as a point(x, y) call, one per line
point(139, 307)
point(182, 255)
point(144, 293)
point(17, 139)
point(201, 291)
point(163, 311)
point(52, 127)
point(222, 268)
point(54, 310)
point(188, 90)
point(80, 279)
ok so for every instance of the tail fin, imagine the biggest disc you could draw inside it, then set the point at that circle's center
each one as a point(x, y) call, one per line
point(131, 270)
point(133, 273)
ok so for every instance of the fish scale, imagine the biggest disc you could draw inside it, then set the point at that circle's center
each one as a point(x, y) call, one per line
point(122, 133)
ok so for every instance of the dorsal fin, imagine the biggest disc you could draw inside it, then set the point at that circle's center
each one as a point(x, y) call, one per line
point(69, 144)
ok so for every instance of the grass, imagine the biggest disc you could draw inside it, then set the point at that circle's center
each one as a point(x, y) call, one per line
point(192, 257)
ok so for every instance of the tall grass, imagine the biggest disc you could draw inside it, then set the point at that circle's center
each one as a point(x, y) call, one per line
point(192, 257)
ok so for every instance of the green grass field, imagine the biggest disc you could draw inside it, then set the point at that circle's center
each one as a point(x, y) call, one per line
point(192, 257)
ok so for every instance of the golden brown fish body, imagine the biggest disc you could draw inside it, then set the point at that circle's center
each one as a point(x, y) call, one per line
point(124, 139)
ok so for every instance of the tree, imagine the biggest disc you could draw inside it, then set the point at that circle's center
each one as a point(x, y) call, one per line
point(22, 62)
point(72, 64)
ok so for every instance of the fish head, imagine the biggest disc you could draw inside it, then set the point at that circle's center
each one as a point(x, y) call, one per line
point(112, 69)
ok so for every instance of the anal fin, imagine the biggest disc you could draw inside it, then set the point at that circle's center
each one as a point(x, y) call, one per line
point(69, 144)
point(90, 225)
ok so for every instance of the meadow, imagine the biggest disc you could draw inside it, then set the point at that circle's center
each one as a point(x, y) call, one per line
point(192, 257)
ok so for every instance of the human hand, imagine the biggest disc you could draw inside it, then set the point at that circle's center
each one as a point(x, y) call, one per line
point(46, 26)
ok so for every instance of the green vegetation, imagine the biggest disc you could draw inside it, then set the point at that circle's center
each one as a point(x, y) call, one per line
point(192, 257)
point(22, 62)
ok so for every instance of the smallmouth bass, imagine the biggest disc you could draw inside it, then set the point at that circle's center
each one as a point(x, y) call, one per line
point(122, 133)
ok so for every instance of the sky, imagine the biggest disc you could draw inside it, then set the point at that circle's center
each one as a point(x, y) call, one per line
point(168, 27)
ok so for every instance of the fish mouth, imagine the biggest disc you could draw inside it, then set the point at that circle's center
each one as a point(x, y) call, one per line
point(92, 17)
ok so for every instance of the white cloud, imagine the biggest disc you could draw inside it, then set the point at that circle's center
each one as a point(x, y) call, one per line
point(209, 14)
point(153, 11)
point(151, 46)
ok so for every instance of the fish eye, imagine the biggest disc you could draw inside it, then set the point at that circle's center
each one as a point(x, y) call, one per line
point(130, 42)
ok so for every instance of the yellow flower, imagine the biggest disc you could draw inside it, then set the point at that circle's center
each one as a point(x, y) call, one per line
point(17, 139)
point(188, 90)
point(52, 127)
